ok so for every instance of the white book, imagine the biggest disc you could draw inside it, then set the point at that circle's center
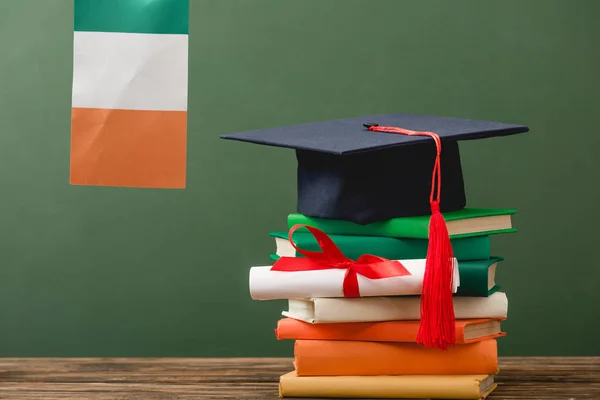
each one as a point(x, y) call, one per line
point(270, 285)
point(400, 308)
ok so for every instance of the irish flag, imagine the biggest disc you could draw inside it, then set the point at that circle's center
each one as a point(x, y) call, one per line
point(130, 84)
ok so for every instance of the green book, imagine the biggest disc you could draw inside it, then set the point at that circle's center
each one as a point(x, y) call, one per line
point(477, 277)
point(353, 246)
point(467, 222)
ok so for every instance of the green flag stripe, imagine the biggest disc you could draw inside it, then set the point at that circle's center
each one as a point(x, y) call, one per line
point(132, 16)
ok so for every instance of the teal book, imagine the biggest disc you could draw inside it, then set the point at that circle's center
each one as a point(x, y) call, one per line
point(468, 222)
point(478, 277)
point(353, 246)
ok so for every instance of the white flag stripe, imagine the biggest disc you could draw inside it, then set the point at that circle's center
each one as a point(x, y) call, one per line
point(130, 71)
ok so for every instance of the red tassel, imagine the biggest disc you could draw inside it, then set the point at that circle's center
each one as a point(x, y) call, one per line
point(437, 309)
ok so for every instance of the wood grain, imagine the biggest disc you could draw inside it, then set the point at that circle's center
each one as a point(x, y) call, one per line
point(250, 379)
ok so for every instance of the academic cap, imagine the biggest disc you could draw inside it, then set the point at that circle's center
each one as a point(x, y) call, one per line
point(348, 172)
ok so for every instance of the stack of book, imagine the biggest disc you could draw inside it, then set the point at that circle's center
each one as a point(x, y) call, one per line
point(388, 298)
point(366, 347)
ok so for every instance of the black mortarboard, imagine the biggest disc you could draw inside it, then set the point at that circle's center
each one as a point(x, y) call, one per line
point(348, 172)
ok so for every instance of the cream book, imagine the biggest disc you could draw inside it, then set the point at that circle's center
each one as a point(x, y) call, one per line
point(388, 387)
point(399, 308)
point(266, 284)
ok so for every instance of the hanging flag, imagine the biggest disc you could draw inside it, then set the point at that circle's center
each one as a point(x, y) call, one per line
point(129, 107)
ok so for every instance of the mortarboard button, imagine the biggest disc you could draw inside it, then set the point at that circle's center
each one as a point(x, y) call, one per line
point(370, 124)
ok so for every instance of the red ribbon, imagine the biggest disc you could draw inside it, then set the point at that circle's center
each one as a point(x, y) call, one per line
point(367, 265)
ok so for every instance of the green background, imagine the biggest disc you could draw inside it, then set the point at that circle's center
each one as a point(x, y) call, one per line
point(97, 271)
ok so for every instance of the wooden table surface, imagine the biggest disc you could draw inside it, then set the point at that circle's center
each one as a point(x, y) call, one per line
point(250, 378)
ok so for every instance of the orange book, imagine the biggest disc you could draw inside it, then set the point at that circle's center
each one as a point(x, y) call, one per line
point(467, 330)
point(329, 358)
point(476, 387)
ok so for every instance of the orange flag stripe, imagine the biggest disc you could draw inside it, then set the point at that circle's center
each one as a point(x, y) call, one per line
point(135, 148)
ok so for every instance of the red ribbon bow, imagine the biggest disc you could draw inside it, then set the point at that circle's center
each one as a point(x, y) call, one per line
point(367, 265)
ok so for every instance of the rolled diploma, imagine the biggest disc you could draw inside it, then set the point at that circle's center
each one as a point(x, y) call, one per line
point(271, 285)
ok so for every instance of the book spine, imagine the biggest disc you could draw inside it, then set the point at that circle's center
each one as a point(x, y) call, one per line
point(403, 308)
point(409, 227)
point(356, 246)
point(340, 358)
point(386, 331)
point(291, 329)
point(382, 387)
point(474, 276)
point(415, 228)
point(474, 248)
